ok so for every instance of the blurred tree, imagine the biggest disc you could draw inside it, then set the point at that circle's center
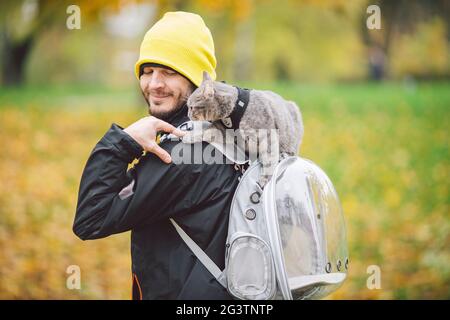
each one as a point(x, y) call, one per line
point(239, 22)
point(264, 39)
point(23, 22)
point(398, 17)
point(306, 40)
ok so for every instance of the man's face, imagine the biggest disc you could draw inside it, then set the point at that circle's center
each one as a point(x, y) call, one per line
point(165, 90)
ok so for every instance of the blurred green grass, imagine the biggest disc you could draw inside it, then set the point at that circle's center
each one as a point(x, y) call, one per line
point(384, 146)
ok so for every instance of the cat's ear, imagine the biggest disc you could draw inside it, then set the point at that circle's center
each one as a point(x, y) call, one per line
point(208, 89)
point(206, 76)
point(208, 85)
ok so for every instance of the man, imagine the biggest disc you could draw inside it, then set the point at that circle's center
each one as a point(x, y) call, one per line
point(173, 56)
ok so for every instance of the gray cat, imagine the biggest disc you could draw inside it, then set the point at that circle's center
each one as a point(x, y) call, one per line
point(215, 101)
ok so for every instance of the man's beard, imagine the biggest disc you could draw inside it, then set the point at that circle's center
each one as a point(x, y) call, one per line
point(165, 115)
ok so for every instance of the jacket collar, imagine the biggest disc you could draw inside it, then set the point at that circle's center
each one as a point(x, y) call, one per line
point(179, 116)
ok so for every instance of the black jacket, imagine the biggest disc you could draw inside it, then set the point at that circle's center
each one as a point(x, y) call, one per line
point(198, 196)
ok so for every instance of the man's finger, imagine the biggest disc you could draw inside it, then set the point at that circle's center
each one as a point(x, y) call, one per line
point(167, 127)
point(178, 132)
point(160, 152)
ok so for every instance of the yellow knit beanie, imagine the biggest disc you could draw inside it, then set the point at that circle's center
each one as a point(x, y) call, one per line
point(181, 41)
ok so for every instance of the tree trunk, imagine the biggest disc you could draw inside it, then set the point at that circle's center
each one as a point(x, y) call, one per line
point(243, 50)
point(14, 60)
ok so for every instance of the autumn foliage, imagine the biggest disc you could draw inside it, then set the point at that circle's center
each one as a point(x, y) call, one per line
point(385, 147)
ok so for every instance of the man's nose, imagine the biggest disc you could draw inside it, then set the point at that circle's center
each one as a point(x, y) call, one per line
point(156, 81)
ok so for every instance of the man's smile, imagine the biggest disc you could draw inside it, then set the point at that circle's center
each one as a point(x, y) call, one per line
point(160, 96)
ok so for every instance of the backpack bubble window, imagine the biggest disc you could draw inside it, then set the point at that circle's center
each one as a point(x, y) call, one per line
point(306, 230)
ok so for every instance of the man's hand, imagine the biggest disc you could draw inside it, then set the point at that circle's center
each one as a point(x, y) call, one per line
point(144, 131)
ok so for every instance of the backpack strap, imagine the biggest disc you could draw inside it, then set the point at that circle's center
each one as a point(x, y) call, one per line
point(201, 255)
point(238, 157)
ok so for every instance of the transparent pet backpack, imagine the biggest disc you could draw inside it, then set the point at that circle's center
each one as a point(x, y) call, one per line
point(287, 241)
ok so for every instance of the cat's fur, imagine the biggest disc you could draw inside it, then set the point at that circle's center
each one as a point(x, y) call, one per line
point(213, 101)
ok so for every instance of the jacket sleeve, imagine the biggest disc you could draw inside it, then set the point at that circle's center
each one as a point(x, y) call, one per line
point(113, 200)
